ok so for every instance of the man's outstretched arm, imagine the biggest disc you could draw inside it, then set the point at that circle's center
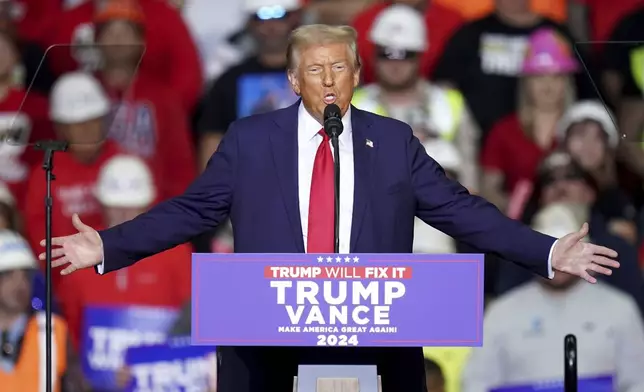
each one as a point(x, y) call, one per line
point(449, 207)
point(203, 206)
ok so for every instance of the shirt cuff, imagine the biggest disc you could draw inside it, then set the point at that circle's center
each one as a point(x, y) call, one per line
point(551, 273)
point(101, 267)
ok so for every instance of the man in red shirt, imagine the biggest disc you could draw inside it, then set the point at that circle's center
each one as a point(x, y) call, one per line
point(78, 109)
point(125, 189)
point(441, 23)
point(146, 120)
point(171, 56)
point(23, 119)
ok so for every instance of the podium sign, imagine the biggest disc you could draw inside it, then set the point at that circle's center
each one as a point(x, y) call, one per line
point(337, 300)
point(108, 332)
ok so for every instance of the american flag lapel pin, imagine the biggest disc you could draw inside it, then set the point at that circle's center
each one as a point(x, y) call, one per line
point(369, 143)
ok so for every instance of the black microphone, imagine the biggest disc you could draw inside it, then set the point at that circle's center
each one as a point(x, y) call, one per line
point(570, 363)
point(333, 127)
point(333, 121)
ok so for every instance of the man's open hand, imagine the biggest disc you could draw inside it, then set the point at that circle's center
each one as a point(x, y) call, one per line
point(576, 257)
point(81, 250)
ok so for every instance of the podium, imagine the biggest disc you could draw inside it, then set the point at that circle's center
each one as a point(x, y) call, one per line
point(337, 300)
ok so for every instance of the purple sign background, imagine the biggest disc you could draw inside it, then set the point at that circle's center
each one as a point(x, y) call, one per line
point(233, 303)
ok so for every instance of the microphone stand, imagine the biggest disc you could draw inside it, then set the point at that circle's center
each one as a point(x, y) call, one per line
point(336, 191)
point(570, 363)
point(49, 147)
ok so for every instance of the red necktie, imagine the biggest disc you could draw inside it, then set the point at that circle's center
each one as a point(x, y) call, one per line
point(321, 208)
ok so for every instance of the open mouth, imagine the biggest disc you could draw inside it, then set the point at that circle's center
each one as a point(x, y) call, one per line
point(329, 98)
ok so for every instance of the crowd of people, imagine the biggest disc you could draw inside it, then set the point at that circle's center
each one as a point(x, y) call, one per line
point(538, 106)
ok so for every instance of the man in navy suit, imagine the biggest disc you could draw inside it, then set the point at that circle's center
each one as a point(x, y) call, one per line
point(273, 175)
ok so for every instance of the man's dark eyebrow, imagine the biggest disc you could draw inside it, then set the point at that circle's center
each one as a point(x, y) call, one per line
point(322, 65)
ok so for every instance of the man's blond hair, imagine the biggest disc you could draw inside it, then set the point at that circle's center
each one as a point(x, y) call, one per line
point(321, 34)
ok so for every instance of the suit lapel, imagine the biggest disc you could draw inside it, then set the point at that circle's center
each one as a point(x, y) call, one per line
point(284, 148)
point(365, 148)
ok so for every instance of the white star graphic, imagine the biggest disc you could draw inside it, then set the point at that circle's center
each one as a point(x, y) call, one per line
point(328, 259)
point(320, 259)
point(347, 259)
point(338, 259)
point(355, 259)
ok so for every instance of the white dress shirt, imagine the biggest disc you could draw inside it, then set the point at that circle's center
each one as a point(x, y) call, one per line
point(308, 142)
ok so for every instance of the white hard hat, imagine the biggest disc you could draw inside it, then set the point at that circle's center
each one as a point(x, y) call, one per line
point(560, 219)
point(400, 27)
point(6, 196)
point(253, 6)
point(125, 181)
point(77, 97)
point(15, 253)
point(445, 153)
point(589, 110)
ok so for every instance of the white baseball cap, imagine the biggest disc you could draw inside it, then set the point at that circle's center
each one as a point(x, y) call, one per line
point(585, 111)
point(125, 181)
point(560, 219)
point(254, 6)
point(15, 253)
point(445, 153)
point(6, 196)
point(400, 27)
point(77, 97)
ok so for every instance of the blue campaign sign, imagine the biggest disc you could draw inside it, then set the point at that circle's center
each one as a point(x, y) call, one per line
point(369, 300)
point(108, 331)
point(587, 384)
point(175, 366)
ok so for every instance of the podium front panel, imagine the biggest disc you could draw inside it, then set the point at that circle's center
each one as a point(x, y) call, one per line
point(368, 300)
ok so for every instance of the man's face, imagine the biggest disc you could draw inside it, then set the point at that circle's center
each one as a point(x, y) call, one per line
point(397, 72)
point(325, 74)
point(116, 215)
point(272, 34)
point(121, 41)
point(587, 143)
point(547, 91)
point(8, 57)
point(15, 291)
point(85, 138)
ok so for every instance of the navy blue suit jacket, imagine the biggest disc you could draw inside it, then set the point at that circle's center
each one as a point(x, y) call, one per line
point(253, 178)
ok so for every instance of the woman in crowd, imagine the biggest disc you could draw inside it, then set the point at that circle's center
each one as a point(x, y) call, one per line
point(588, 133)
point(518, 142)
point(560, 179)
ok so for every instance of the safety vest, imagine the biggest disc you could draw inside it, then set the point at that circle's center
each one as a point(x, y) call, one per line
point(29, 372)
point(636, 60)
point(445, 105)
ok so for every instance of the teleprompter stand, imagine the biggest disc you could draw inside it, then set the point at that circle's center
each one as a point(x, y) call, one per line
point(332, 378)
point(49, 147)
